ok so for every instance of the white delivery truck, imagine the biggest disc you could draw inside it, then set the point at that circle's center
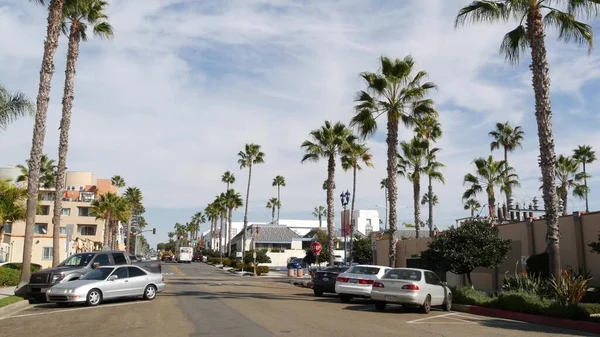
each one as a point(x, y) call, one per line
point(185, 254)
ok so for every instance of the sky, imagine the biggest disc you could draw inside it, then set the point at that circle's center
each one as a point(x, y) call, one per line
point(183, 85)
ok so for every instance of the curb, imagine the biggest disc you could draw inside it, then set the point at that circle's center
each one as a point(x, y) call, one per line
point(8, 309)
point(529, 318)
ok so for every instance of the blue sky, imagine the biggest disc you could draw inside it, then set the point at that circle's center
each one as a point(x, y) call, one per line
point(169, 102)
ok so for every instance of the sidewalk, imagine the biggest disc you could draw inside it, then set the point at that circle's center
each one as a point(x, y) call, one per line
point(6, 292)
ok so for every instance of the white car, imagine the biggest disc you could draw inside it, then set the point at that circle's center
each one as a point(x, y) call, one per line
point(358, 281)
point(411, 287)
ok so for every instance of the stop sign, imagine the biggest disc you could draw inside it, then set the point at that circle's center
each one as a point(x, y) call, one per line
point(316, 248)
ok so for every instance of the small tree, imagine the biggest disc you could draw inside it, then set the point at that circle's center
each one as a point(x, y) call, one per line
point(362, 252)
point(261, 257)
point(595, 246)
point(460, 250)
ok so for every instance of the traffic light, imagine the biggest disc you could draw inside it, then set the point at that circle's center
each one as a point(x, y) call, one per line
point(154, 231)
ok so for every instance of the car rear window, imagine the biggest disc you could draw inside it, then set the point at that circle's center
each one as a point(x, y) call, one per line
point(403, 274)
point(363, 270)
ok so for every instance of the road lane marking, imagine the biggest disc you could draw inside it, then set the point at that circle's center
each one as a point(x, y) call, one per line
point(432, 317)
point(47, 311)
point(177, 270)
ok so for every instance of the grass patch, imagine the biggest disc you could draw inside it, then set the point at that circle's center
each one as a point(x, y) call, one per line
point(9, 300)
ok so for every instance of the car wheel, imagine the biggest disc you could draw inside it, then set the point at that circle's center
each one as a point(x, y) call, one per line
point(94, 297)
point(318, 293)
point(426, 307)
point(380, 306)
point(149, 292)
point(345, 298)
point(448, 303)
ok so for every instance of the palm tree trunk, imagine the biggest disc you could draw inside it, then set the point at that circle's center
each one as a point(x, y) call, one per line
point(128, 236)
point(278, 202)
point(39, 131)
point(417, 208)
point(273, 214)
point(430, 205)
point(330, 207)
point(320, 221)
point(506, 168)
point(246, 212)
point(385, 193)
point(472, 212)
point(565, 201)
point(543, 114)
point(352, 211)
point(587, 206)
point(392, 168)
point(106, 229)
point(63, 145)
point(229, 216)
point(221, 233)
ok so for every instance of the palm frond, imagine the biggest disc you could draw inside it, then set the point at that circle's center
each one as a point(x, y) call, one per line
point(569, 29)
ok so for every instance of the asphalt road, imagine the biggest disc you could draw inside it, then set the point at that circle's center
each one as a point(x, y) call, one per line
point(203, 301)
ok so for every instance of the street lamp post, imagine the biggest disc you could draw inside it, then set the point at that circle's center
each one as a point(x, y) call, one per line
point(345, 198)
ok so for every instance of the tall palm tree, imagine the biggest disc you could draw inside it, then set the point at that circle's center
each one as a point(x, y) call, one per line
point(78, 15)
point(220, 204)
point(47, 175)
point(411, 164)
point(488, 175)
point(134, 196)
point(425, 199)
point(396, 91)
point(319, 213)
point(279, 181)
point(171, 235)
point(55, 9)
point(110, 208)
point(355, 154)
point(272, 204)
point(252, 155)
point(472, 205)
point(530, 32)
point(328, 142)
point(585, 155)
point(212, 215)
point(233, 201)
point(228, 178)
point(568, 178)
point(199, 219)
point(12, 204)
point(507, 138)
point(384, 185)
point(118, 181)
point(13, 106)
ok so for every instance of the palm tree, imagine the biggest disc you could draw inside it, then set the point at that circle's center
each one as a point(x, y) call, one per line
point(212, 215)
point(488, 175)
point(233, 201)
point(384, 185)
point(134, 196)
point(327, 142)
point(429, 128)
point(12, 204)
point(272, 204)
point(585, 155)
point(509, 139)
point(54, 20)
point(396, 90)
point(47, 176)
point(251, 156)
point(531, 33)
point(109, 207)
point(228, 178)
point(180, 231)
point(355, 154)
point(472, 205)
point(319, 213)
point(278, 181)
point(220, 205)
point(425, 199)
point(171, 235)
point(118, 181)
point(411, 164)
point(568, 178)
point(198, 219)
point(13, 106)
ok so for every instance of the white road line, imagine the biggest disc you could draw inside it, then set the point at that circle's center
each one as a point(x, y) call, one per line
point(44, 312)
point(432, 317)
point(461, 320)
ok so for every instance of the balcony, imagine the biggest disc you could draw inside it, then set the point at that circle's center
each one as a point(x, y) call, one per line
point(86, 196)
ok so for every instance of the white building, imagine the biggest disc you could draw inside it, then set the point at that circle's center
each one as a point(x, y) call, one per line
point(366, 221)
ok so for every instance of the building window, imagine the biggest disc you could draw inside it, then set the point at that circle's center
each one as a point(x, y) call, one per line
point(43, 210)
point(368, 229)
point(40, 228)
point(87, 230)
point(63, 231)
point(369, 222)
point(47, 253)
point(66, 211)
point(84, 211)
point(8, 228)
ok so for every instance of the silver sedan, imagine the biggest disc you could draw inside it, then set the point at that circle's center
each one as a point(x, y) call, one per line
point(104, 283)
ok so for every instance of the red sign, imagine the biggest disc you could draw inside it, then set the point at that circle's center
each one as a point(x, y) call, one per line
point(346, 222)
point(316, 248)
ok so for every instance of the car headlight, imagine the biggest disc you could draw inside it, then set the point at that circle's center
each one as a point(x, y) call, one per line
point(58, 277)
point(69, 291)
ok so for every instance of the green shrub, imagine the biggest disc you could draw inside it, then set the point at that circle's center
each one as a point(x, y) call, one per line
point(262, 270)
point(527, 303)
point(18, 266)
point(469, 296)
point(9, 277)
point(236, 264)
point(276, 250)
point(527, 283)
point(226, 262)
point(591, 308)
point(571, 287)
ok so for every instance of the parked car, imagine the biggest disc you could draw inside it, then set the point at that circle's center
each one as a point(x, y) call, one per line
point(296, 264)
point(104, 283)
point(411, 287)
point(77, 265)
point(358, 281)
point(324, 280)
point(197, 257)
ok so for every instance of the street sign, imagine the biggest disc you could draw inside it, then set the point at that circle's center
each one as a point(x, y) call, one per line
point(238, 254)
point(194, 242)
point(254, 255)
point(316, 248)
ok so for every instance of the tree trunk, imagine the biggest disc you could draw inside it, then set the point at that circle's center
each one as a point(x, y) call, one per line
point(430, 205)
point(385, 193)
point(352, 211)
point(506, 168)
point(128, 236)
point(472, 212)
point(229, 216)
point(279, 202)
point(543, 114)
point(106, 229)
point(273, 214)
point(565, 201)
point(469, 281)
point(246, 213)
point(221, 233)
point(63, 147)
point(491, 204)
point(416, 195)
point(392, 168)
point(39, 131)
point(320, 220)
point(587, 206)
point(330, 207)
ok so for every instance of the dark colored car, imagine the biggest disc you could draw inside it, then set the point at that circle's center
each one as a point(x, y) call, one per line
point(296, 264)
point(167, 257)
point(324, 280)
point(197, 257)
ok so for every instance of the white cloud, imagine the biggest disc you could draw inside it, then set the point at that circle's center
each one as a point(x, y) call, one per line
point(184, 85)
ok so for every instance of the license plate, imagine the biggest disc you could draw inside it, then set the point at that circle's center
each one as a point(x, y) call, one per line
point(353, 281)
point(325, 279)
point(391, 298)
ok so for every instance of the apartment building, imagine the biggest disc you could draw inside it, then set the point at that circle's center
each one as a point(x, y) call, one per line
point(79, 231)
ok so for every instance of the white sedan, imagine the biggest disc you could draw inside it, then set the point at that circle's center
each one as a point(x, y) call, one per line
point(358, 281)
point(411, 287)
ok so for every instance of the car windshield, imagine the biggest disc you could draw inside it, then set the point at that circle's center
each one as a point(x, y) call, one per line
point(363, 270)
point(97, 274)
point(403, 274)
point(80, 260)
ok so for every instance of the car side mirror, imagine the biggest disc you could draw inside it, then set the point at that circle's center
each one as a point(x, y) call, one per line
point(113, 277)
point(444, 283)
point(95, 265)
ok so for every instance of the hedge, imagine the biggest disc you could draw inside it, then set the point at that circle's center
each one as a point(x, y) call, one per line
point(9, 277)
point(18, 266)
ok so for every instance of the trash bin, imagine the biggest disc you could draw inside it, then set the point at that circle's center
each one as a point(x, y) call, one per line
point(291, 272)
point(300, 272)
